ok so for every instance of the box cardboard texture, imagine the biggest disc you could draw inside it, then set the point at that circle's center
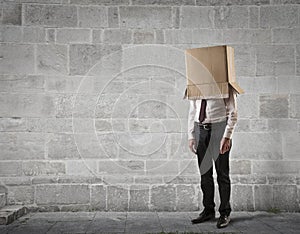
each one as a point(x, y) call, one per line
point(210, 71)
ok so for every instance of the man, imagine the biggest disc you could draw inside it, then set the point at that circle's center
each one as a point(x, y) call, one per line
point(210, 127)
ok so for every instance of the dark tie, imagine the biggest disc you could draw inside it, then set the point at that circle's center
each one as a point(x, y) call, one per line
point(202, 114)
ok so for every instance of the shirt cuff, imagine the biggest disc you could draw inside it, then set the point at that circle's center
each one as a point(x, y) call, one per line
point(227, 133)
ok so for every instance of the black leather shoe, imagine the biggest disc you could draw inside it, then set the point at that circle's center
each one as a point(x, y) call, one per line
point(223, 221)
point(204, 216)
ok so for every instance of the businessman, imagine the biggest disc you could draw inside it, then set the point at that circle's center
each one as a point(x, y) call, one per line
point(211, 124)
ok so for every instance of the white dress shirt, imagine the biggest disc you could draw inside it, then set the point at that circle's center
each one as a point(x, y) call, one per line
point(217, 110)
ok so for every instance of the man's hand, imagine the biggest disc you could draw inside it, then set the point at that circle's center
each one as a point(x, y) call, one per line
point(192, 145)
point(225, 145)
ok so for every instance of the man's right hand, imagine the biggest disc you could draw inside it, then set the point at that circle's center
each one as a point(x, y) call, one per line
point(192, 145)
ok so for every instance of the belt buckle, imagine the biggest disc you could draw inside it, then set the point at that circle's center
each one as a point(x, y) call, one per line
point(206, 126)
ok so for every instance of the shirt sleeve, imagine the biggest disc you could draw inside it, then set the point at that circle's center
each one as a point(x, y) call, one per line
point(191, 118)
point(231, 109)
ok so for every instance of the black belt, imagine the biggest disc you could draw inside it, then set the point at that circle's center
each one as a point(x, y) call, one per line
point(206, 126)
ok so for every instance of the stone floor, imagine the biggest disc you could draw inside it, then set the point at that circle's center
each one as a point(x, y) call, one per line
point(149, 222)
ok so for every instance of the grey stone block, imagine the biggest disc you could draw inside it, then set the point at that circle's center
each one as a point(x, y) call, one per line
point(259, 125)
point(15, 180)
point(196, 17)
point(10, 34)
point(286, 35)
point(252, 179)
point(189, 167)
point(117, 198)
point(275, 167)
point(20, 195)
point(17, 59)
point(143, 36)
point(175, 17)
point(151, 179)
point(206, 36)
point(132, 167)
point(297, 60)
point(275, 60)
point(2, 200)
point(240, 167)
point(44, 180)
point(34, 168)
point(62, 194)
point(100, 2)
point(62, 146)
point(51, 125)
point(34, 34)
point(50, 15)
point(294, 106)
point(282, 179)
point(12, 124)
point(159, 36)
point(52, 59)
point(89, 147)
point(152, 107)
point(177, 146)
point(92, 17)
point(98, 197)
point(282, 2)
point(231, 17)
point(278, 16)
point(145, 17)
point(75, 208)
point(50, 35)
point(231, 2)
point(288, 85)
point(113, 17)
point(242, 197)
point(248, 106)
point(254, 16)
point(259, 85)
point(82, 167)
point(173, 36)
point(10, 168)
point(83, 57)
point(163, 2)
point(67, 36)
point(163, 198)
point(274, 106)
point(290, 145)
point(22, 146)
point(117, 180)
point(139, 198)
point(26, 105)
point(256, 146)
point(282, 125)
point(12, 13)
point(118, 36)
point(187, 198)
point(263, 197)
point(162, 167)
point(285, 197)
point(97, 36)
point(244, 54)
point(243, 125)
point(247, 36)
point(84, 106)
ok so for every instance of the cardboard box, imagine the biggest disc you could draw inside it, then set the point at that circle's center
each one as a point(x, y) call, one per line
point(209, 72)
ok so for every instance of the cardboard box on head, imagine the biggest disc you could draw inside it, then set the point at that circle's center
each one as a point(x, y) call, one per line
point(210, 71)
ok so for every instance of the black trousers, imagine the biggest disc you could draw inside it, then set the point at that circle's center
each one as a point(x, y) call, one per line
point(208, 146)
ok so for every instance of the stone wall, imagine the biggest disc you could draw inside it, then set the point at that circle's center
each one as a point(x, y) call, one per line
point(92, 115)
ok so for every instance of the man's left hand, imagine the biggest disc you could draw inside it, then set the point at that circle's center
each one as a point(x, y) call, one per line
point(225, 145)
